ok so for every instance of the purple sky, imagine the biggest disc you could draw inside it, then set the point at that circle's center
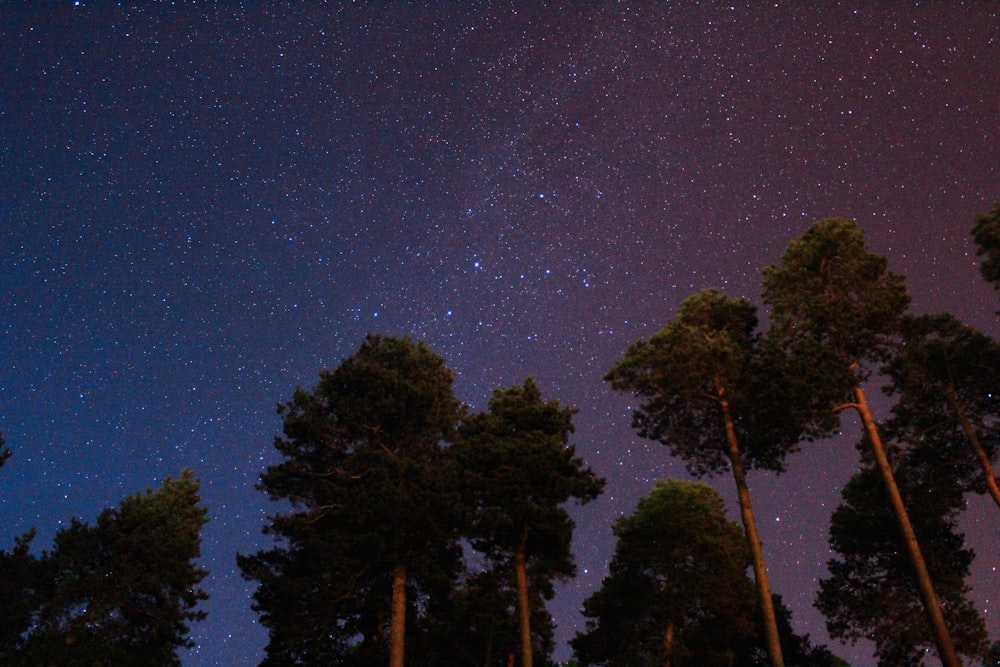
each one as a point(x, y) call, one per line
point(202, 206)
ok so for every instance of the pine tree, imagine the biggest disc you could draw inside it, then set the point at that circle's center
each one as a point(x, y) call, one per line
point(872, 591)
point(677, 592)
point(720, 399)
point(986, 234)
point(373, 523)
point(522, 471)
point(946, 377)
point(120, 592)
point(830, 293)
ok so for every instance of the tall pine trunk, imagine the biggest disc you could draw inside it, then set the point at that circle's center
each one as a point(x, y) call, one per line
point(753, 539)
point(668, 644)
point(946, 650)
point(523, 603)
point(397, 626)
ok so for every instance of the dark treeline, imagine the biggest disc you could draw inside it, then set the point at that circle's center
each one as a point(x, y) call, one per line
point(119, 592)
point(412, 531)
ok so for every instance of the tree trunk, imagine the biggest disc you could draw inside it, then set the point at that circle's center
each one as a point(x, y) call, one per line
point(753, 539)
point(977, 447)
point(397, 626)
point(523, 603)
point(668, 644)
point(946, 650)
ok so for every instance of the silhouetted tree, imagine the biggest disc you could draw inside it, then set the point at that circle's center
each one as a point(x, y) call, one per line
point(946, 377)
point(677, 592)
point(372, 529)
point(120, 592)
point(872, 591)
point(721, 400)
point(992, 656)
point(798, 650)
point(474, 626)
point(521, 471)
point(830, 290)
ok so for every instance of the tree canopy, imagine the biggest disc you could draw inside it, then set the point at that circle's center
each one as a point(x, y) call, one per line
point(683, 372)
point(872, 591)
point(677, 592)
point(719, 399)
point(120, 592)
point(946, 379)
point(374, 507)
point(830, 291)
point(521, 470)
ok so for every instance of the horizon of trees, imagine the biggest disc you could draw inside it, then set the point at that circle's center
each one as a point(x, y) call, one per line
point(421, 534)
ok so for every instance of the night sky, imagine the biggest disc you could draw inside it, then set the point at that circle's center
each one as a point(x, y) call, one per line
point(201, 206)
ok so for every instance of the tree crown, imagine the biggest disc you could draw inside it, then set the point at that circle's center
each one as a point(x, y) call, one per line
point(829, 288)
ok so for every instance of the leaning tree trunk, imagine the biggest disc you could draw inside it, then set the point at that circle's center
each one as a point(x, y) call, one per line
point(523, 603)
point(946, 650)
point(977, 447)
point(668, 644)
point(753, 539)
point(397, 626)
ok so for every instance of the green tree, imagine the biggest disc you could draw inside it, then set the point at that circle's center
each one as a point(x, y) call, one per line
point(677, 592)
point(372, 527)
point(872, 591)
point(986, 234)
point(521, 471)
point(947, 380)
point(120, 592)
point(719, 399)
point(830, 290)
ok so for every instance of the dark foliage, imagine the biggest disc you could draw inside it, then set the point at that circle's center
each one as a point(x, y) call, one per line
point(830, 293)
point(120, 592)
point(872, 591)
point(708, 354)
point(946, 378)
point(4, 452)
point(370, 489)
point(677, 588)
point(680, 567)
point(520, 471)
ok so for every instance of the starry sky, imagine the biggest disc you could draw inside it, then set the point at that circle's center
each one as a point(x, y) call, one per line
point(202, 205)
